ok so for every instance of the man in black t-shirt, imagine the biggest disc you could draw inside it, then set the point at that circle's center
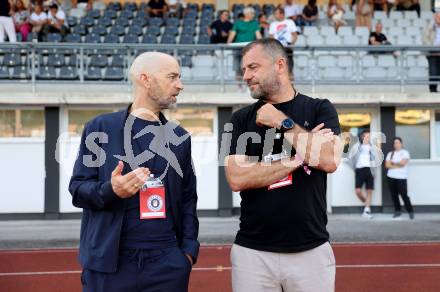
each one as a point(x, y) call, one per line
point(377, 38)
point(281, 174)
point(219, 29)
point(157, 8)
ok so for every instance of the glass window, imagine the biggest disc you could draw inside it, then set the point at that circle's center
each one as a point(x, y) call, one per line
point(352, 125)
point(79, 117)
point(412, 125)
point(22, 123)
point(197, 121)
point(437, 134)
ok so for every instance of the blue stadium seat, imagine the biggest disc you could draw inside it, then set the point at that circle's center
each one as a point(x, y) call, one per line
point(92, 38)
point(186, 39)
point(123, 21)
point(168, 39)
point(99, 29)
point(135, 29)
point(127, 14)
point(46, 73)
point(171, 30)
point(117, 61)
point(155, 21)
point(87, 21)
point(54, 37)
point(20, 72)
point(172, 21)
point(80, 29)
point(118, 30)
point(131, 39)
point(72, 38)
point(114, 74)
point(4, 72)
point(189, 30)
point(55, 60)
point(72, 21)
point(110, 14)
point(68, 73)
point(105, 21)
point(153, 30)
point(149, 39)
point(95, 13)
point(98, 61)
point(93, 73)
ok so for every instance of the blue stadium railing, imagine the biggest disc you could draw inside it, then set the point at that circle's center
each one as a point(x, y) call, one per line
point(37, 63)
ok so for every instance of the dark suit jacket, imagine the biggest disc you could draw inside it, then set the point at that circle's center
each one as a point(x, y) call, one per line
point(103, 210)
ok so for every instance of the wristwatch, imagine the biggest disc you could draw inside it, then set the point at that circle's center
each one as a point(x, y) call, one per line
point(287, 124)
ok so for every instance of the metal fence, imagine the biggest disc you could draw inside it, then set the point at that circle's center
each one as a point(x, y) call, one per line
point(39, 63)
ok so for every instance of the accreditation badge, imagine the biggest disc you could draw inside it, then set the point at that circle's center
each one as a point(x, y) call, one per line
point(152, 201)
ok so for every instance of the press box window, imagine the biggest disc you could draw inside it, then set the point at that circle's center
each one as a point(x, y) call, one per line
point(197, 121)
point(412, 125)
point(22, 123)
point(79, 117)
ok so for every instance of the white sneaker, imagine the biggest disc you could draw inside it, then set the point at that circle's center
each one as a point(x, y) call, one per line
point(367, 215)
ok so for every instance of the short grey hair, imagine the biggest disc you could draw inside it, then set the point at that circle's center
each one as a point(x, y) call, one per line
point(249, 10)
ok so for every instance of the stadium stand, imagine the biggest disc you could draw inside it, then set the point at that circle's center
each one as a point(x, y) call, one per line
point(128, 23)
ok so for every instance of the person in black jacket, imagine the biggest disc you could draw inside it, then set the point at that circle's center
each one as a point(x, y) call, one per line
point(135, 182)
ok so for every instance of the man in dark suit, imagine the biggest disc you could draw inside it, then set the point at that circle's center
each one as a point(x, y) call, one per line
point(135, 182)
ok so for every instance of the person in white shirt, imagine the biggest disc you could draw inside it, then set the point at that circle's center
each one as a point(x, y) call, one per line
point(397, 164)
point(176, 8)
point(293, 11)
point(286, 32)
point(56, 21)
point(38, 20)
point(362, 160)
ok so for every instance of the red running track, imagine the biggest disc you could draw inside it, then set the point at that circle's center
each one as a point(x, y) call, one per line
point(369, 267)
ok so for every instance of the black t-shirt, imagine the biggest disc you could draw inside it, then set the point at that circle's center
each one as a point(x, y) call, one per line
point(4, 8)
point(379, 37)
point(310, 11)
point(217, 28)
point(292, 218)
point(157, 4)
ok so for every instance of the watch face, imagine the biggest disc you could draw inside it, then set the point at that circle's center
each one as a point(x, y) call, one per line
point(288, 123)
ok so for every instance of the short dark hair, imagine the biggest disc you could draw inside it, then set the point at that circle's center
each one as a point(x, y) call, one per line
point(271, 46)
point(398, 138)
point(280, 9)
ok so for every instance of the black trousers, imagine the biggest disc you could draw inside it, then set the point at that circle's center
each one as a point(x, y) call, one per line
point(434, 72)
point(399, 186)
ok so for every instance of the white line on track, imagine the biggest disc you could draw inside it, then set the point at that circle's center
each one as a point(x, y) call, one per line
point(226, 246)
point(221, 268)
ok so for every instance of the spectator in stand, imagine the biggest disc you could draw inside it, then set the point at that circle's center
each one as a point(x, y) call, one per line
point(264, 25)
point(431, 37)
point(310, 13)
point(38, 20)
point(157, 8)
point(243, 31)
point(380, 5)
point(294, 12)
point(6, 22)
point(219, 29)
point(21, 16)
point(335, 13)
point(364, 13)
point(176, 8)
point(82, 4)
point(377, 38)
point(408, 5)
point(286, 32)
point(56, 21)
